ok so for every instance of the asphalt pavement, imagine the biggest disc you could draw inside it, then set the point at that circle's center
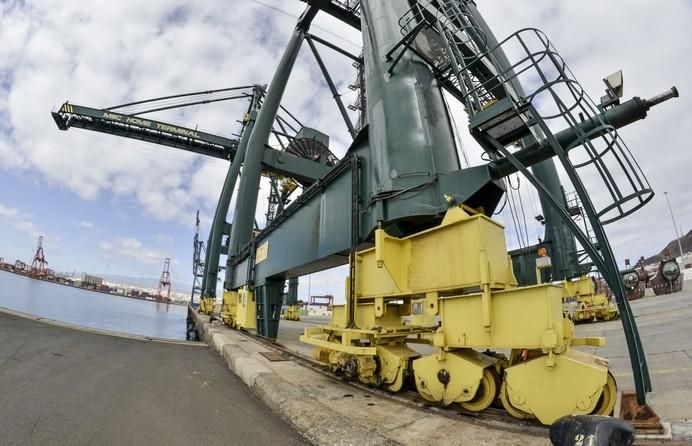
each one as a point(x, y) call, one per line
point(60, 386)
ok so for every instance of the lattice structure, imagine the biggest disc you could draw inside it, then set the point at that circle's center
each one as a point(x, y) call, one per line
point(360, 105)
point(39, 263)
point(198, 251)
point(273, 200)
point(164, 293)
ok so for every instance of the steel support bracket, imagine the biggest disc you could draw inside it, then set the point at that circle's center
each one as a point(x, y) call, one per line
point(642, 416)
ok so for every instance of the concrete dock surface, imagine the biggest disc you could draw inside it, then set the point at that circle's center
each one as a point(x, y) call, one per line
point(60, 386)
point(665, 327)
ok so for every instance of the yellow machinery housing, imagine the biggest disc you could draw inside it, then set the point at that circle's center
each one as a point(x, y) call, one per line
point(292, 313)
point(206, 305)
point(239, 310)
point(452, 287)
point(581, 303)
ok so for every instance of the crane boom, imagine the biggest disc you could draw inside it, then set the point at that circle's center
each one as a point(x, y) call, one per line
point(274, 161)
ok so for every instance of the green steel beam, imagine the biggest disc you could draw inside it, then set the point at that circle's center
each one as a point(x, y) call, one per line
point(157, 132)
point(211, 268)
point(339, 50)
point(182, 95)
point(332, 88)
point(337, 10)
point(244, 213)
point(292, 293)
point(618, 116)
point(144, 129)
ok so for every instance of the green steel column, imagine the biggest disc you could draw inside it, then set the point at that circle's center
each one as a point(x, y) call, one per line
point(410, 141)
point(268, 298)
point(244, 214)
point(211, 264)
point(292, 294)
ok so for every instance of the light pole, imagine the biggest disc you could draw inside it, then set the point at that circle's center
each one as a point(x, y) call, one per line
point(675, 226)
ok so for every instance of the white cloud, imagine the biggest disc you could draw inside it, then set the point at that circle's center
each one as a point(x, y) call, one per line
point(120, 52)
point(597, 38)
point(331, 281)
point(43, 66)
point(127, 248)
point(165, 240)
point(25, 224)
point(126, 50)
point(20, 221)
point(86, 224)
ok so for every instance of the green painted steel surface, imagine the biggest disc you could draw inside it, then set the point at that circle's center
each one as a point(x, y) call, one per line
point(410, 172)
point(203, 143)
point(244, 213)
point(269, 298)
point(120, 124)
point(411, 140)
point(311, 235)
point(211, 268)
point(292, 293)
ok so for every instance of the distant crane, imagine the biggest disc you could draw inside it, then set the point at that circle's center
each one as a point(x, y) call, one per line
point(164, 294)
point(197, 263)
point(39, 263)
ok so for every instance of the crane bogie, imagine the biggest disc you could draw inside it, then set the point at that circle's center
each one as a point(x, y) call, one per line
point(470, 288)
point(583, 303)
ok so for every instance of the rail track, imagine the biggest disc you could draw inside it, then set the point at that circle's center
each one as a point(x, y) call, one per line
point(494, 416)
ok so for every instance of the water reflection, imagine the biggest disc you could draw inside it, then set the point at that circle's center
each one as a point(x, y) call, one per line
point(91, 309)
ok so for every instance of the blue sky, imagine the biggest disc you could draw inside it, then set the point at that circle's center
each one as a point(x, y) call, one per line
point(111, 205)
point(75, 229)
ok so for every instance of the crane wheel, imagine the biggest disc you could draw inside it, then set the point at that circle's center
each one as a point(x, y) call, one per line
point(507, 404)
point(486, 394)
point(606, 403)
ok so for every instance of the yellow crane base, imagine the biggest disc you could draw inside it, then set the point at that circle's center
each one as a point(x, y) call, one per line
point(581, 303)
point(292, 313)
point(238, 309)
point(591, 313)
point(533, 385)
point(206, 305)
point(452, 287)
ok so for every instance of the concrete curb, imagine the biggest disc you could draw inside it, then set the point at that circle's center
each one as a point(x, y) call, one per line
point(98, 331)
point(324, 421)
point(318, 423)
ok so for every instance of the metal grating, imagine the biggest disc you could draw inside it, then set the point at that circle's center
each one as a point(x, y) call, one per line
point(274, 356)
